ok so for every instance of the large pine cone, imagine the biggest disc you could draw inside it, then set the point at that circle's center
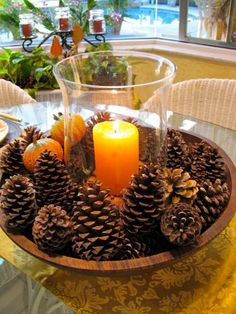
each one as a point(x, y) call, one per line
point(211, 201)
point(206, 163)
point(181, 224)
point(96, 223)
point(51, 180)
point(179, 186)
point(18, 202)
point(143, 201)
point(52, 229)
point(71, 197)
point(11, 161)
point(177, 150)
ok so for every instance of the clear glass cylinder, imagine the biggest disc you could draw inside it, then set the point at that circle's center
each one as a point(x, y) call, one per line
point(63, 18)
point(121, 96)
point(26, 25)
point(97, 24)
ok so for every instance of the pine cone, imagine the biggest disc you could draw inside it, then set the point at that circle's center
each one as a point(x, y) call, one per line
point(149, 144)
point(211, 201)
point(179, 186)
point(71, 197)
point(78, 165)
point(52, 229)
point(97, 226)
point(140, 246)
point(51, 180)
point(206, 163)
point(18, 202)
point(30, 133)
point(143, 201)
point(181, 224)
point(11, 159)
point(87, 140)
point(177, 150)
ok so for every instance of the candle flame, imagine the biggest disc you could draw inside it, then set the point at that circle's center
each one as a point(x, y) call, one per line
point(116, 126)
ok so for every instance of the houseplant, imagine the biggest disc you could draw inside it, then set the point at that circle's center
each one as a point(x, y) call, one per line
point(104, 69)
point(115, 13)
point(29, 71)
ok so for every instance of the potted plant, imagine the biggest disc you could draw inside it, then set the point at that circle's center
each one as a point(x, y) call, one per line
point(105, 69)
point(115, 15)
point(32, 72)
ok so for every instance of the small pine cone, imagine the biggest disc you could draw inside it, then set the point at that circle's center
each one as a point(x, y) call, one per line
point(128, 251)
point(179, 186)
point(207, 163)
point(51, 180)
point(138, 246)
point(30, 133)
point(97, 226)
point(143, 201)
point(11, 161)
point(181, 224)
point(87, 140)
point(211, 201)
point(18, 203)
point(78, 165)
point(52, 229)
point(177, 150)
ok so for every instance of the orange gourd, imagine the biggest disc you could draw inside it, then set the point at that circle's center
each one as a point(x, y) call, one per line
point(35, 149)
point(76, 128)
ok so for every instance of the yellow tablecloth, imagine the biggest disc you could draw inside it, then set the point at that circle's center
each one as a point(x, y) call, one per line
point(202, 283)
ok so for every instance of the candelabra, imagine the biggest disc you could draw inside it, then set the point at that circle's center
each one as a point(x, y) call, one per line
point(64, 36)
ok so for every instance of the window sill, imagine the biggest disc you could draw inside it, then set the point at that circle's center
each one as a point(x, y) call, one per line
point(196, 50)
point(176, 47)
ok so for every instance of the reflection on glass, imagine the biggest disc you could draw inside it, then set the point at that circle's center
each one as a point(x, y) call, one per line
point(212, 19)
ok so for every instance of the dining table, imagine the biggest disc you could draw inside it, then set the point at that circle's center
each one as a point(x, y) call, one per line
point(203, 282)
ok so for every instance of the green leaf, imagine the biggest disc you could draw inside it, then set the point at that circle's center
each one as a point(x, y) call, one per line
point(4, 57)
point(37, 11)
point(31, 92)
point(38, 73)
point(3, 72)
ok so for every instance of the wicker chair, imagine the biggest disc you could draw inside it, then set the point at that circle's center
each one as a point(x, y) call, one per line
point(212, 100)
point(11, 94)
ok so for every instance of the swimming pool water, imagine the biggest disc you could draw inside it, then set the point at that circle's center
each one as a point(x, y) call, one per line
point(166, 16)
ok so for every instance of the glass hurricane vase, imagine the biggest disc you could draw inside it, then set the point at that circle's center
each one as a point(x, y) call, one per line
point(121, 97)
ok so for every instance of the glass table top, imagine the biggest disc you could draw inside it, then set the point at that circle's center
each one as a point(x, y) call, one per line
point(21, 294)
point(204, 282)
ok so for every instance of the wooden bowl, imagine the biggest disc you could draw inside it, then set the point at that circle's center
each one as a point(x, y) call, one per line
point(150, 262)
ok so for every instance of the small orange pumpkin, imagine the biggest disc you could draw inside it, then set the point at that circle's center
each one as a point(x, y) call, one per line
point(76, 128)
point(35, 149)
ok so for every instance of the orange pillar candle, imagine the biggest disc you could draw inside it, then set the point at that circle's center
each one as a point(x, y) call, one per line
point(116, 148)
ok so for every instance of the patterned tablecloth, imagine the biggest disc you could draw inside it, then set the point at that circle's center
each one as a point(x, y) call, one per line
point(204, 282)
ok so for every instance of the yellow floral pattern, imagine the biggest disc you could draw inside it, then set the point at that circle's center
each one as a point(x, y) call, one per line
point(204, 282)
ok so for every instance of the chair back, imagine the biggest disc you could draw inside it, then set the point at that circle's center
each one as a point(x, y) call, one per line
point(11, 94)
point(212, 100)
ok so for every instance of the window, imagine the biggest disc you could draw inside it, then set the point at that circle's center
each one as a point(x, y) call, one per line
point(211, 22)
